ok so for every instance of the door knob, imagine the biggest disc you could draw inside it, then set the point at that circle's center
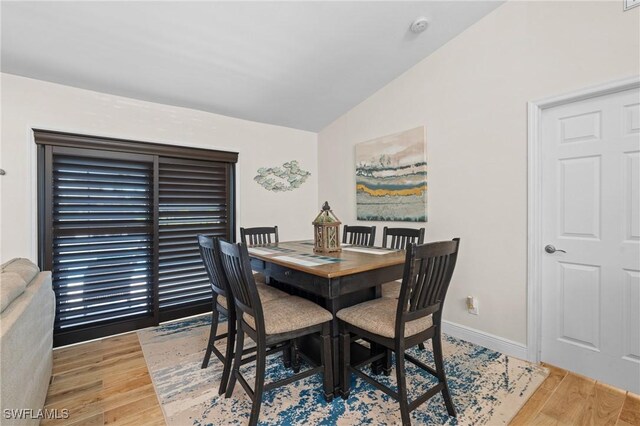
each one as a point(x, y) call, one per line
point(551, 249)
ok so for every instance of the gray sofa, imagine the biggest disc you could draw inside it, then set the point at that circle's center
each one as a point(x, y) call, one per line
point(26, 338)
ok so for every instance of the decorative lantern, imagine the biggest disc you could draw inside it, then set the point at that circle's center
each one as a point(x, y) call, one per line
point(326, 231)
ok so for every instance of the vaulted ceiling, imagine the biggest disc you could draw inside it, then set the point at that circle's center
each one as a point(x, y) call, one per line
point(295, 64)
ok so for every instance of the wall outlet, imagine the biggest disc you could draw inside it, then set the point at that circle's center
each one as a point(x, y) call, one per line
point(472, 305)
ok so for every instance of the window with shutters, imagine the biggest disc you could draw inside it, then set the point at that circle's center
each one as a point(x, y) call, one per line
point(192, 200)
point(118, 222)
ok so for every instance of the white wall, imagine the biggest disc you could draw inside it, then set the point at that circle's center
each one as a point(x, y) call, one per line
point(471, 95)
point(28, 103)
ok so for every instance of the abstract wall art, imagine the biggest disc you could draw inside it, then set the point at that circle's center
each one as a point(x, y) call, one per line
point(391, 177)
point(287, 177)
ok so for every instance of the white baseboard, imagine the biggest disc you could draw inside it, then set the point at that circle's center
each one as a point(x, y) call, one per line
point(490, 341)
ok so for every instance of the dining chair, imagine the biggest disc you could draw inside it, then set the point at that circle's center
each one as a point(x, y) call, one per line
point(220, 288)
point(400, 324)
point(256, 236)
point(259, 235)
point(271, 324)
point(399, 239)
point(359, 235)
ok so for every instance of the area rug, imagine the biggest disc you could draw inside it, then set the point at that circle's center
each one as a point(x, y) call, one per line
point(487, 387)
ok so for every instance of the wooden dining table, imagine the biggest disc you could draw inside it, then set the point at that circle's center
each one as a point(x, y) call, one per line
point(334, 280)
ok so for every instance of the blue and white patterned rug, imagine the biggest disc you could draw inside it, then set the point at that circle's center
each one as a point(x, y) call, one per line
point(488, 388)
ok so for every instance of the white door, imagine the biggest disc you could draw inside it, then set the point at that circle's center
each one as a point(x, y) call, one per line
point(591, 210)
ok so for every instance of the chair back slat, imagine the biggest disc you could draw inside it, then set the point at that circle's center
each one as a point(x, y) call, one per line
point(434, 284)
point(401, 237)
point(211, 259)
point(235, 262)
point(259, 235)
point(418, 275)
point(428, 271)
point(359, 235)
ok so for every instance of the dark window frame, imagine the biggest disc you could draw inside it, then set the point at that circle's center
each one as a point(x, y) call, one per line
point(49, 141)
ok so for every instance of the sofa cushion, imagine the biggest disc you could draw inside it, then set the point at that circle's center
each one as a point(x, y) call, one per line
point(11, 286)
point(26, 339)
point(23, 267)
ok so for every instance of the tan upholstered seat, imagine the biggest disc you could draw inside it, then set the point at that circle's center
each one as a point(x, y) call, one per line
point(378, 316)
point(391, 289)
point(290, 313)
point(223, 301)
point(259, 277)
point(267, 293)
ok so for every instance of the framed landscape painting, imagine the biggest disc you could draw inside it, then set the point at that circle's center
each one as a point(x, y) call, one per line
point(391, 177)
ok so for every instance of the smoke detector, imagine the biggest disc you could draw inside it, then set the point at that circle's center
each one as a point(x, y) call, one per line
point(419, 25)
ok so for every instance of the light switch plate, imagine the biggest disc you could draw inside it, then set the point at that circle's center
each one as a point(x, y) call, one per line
point(629, 4)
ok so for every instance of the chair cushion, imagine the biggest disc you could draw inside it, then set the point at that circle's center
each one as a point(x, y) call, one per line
point(378, 316)
point(223, 301)
point(266, 293)
point(290, 314)
point(391, 289)
point(23, 267)
point(259, 277)
point(11, 286)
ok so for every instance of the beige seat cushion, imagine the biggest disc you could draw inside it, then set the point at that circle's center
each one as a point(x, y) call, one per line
point(289, 314)
point(266, 293)
point(259, 277)
point(391, 289)
point(223, 301)
point(378, 316)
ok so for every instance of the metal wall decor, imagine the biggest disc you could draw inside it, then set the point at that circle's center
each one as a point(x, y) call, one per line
point(287, 177)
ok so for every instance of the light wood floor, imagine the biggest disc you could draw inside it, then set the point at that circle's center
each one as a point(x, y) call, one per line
point(103, 382)
point(566, 398)
point(107, 382)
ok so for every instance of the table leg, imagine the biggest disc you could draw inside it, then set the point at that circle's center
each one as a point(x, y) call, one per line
point(335, 355)
point(386, 369)
point(378, 366)
point(332, 306)
point(286, 358)
point(295, 358)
